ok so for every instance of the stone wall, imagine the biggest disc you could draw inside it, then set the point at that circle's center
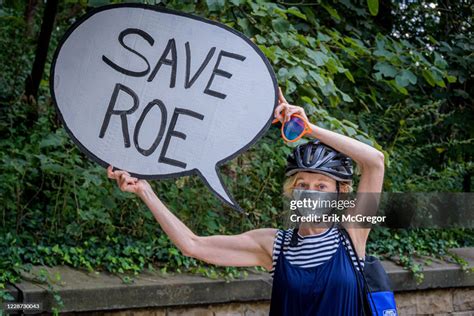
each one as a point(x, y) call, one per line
point(446, 289)
point(451, 301)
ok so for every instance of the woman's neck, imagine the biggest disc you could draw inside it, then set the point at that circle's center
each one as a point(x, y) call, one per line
point(312, 229)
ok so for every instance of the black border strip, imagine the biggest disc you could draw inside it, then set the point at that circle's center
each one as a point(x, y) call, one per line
point(83, 18)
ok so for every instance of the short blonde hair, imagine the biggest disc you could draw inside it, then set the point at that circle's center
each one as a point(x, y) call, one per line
point(289, 184)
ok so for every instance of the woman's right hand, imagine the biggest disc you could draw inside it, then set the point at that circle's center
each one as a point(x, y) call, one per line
point(126, 182)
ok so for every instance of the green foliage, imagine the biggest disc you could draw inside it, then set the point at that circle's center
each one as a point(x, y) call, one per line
point(373, 6)
point(405, 245)
point(408, 96)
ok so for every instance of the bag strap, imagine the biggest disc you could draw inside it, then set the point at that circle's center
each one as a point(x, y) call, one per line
point(367, 311)
point(367, 289)
point(294, 237)
point(282, 241)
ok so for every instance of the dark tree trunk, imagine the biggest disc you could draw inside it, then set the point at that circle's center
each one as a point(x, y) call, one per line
point(445, 18)
point(385, 18)
point(33, 81)
point(30, 11)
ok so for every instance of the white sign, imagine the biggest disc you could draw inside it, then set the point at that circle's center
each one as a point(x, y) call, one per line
point(161, 93)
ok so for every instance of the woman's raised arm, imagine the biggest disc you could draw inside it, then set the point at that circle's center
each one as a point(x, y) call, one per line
point(369, 160)
point(252, 248)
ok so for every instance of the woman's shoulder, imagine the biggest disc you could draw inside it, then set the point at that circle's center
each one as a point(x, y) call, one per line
point(348, 244)
point(287, 232)
point(290, 231)
point(278, 237)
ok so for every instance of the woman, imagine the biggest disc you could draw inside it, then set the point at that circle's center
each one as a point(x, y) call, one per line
point(312, 274)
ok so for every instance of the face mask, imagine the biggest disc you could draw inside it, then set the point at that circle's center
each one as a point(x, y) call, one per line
point(314, 202)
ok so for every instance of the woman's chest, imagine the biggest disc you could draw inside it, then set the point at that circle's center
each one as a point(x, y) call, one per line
point(335, 275)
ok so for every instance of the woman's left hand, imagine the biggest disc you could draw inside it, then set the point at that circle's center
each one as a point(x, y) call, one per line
point(284, 110)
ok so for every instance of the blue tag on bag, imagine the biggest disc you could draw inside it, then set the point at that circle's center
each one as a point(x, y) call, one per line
point(383, 303)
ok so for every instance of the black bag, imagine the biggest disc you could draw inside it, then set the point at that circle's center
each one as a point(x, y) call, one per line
point(378, 298)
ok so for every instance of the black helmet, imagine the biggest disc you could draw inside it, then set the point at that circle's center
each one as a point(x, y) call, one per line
point(315, 156)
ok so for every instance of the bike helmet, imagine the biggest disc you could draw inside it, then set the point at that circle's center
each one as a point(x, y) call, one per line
point(315, 156)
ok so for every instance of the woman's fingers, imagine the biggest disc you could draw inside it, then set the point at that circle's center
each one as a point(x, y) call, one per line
point(288, 114)
point(110, 172)
point(127, 183)
point(118, 177)
point(281, 98)
point(290, 110)
point(119, 173)
point(277, 113)
point(125, 178)
point(126, 187)
point(294, 110)
point(119, 183)
point(114, 174)
point(121, 177)
point(284, 111)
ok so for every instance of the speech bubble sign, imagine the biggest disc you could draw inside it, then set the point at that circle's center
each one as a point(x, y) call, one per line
point(160, 93)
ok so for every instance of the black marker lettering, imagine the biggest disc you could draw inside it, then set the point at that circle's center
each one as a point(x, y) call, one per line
point(170, 62)
point(123, 113)
point(220, 72)
point(171, 132)
point(127, 72)
point(149, 151)
point(187, 83)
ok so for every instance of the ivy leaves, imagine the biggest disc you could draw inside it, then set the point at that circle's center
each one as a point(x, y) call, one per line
point(373, 6)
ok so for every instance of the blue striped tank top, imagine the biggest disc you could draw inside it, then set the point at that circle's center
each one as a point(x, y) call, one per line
point(312, 250)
